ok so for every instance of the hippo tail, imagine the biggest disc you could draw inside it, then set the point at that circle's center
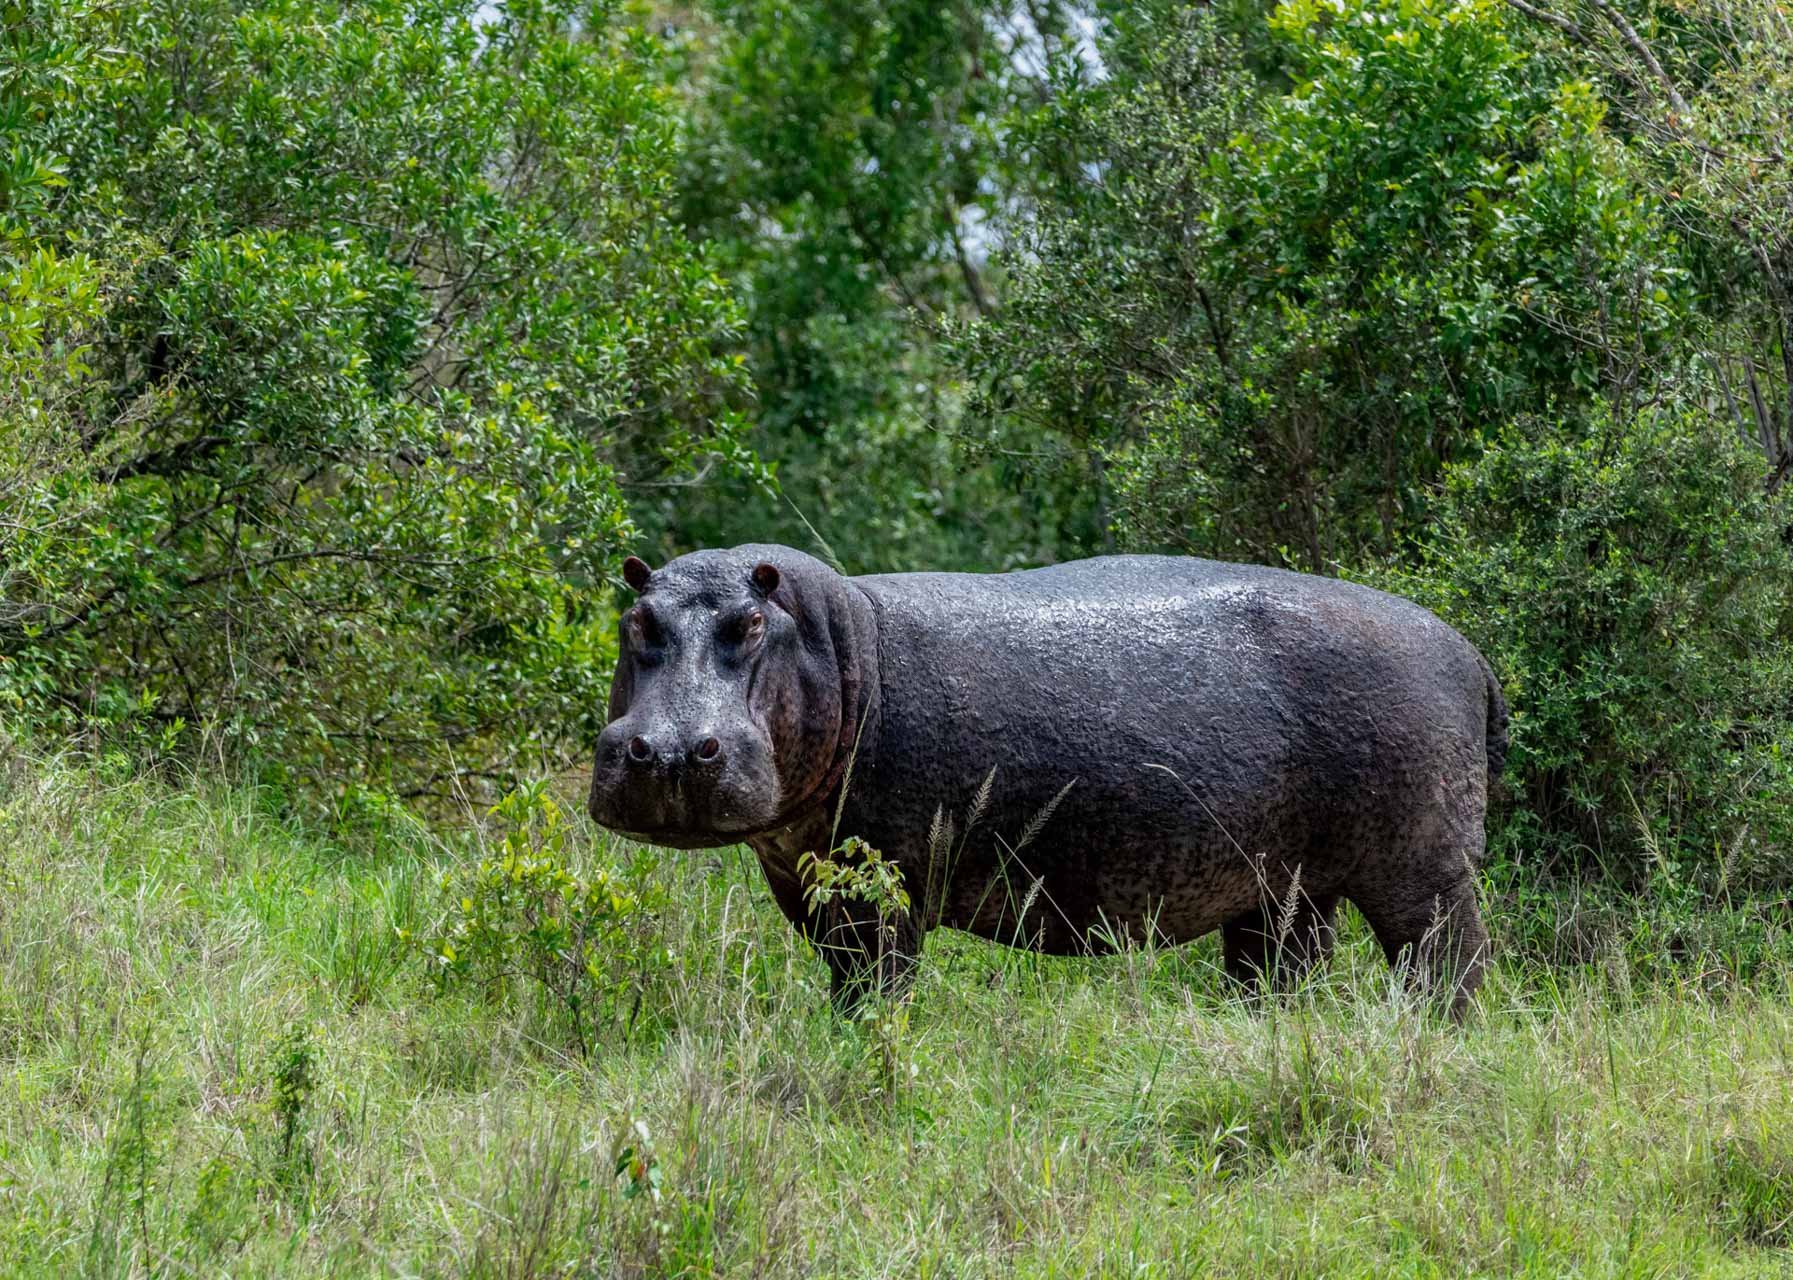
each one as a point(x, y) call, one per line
point(1497, 723)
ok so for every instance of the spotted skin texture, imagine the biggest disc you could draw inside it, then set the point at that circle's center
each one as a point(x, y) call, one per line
point(1193, 745)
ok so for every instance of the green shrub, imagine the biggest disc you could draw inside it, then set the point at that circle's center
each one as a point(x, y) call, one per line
point(292, 1081)
point(840, 890)
point(1632, 585)
point(582, 944)
point(1271, 315)
point(370, 364)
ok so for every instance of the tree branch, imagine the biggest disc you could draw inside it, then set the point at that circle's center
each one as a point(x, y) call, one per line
point(167, 462)
point(974, 283)
point(1571, 29)
point(1635, 43)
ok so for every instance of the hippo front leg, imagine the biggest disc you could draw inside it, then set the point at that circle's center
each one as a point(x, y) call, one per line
point(787, 888)
point(867, 952)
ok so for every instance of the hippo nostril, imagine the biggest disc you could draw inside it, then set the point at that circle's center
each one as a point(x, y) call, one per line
point(708, 749)
point(639, 749)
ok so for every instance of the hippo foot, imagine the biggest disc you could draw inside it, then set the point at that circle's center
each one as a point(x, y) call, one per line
point(852, 988)
point(1440, 942)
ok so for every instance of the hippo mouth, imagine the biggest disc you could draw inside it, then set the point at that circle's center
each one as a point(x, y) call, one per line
point(684, 837)
point(681, 812)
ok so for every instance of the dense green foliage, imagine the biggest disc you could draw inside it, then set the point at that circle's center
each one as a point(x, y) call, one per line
point(347, 345)
point(843, 161)
point(1265, 327)
point(390, 306)
point(1628, 580)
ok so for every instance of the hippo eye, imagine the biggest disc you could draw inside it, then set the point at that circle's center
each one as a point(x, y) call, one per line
point(644, 628)
point(744, 628)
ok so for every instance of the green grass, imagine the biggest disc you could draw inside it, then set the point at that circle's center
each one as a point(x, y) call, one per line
point(218, 1056)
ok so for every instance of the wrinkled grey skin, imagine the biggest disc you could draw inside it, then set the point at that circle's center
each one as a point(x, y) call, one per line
point(1199, 746)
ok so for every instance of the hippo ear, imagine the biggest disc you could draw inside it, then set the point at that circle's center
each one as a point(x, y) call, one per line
point(636, 573)
point(765, 578)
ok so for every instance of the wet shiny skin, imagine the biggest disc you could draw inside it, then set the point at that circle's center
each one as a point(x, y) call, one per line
point(1192, 743)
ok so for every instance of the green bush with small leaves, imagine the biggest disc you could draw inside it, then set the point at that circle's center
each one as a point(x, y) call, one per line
point(292, 1081)
point(1634, 587)
point(331, 475)
point(855, 872)
point(526, 923)
point(1270, 312)
point(852, 878)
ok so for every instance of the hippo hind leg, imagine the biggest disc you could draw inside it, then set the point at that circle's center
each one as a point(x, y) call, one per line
point(1269, 943)
point(1438, 939)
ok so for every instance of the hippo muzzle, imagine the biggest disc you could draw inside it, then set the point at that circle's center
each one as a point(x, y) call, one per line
point(687, 785)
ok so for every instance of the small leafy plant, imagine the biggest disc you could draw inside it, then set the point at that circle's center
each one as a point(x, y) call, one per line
point(856, 873)
point(583, 942)
point(638, 1170)
point(292, 1082)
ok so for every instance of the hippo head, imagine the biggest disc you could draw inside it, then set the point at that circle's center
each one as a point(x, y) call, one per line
point(737, 694)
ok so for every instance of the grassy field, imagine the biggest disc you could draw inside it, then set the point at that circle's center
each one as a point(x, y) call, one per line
point(220, 1055)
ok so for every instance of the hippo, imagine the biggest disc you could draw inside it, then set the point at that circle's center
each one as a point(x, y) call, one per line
point(1069, 759)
